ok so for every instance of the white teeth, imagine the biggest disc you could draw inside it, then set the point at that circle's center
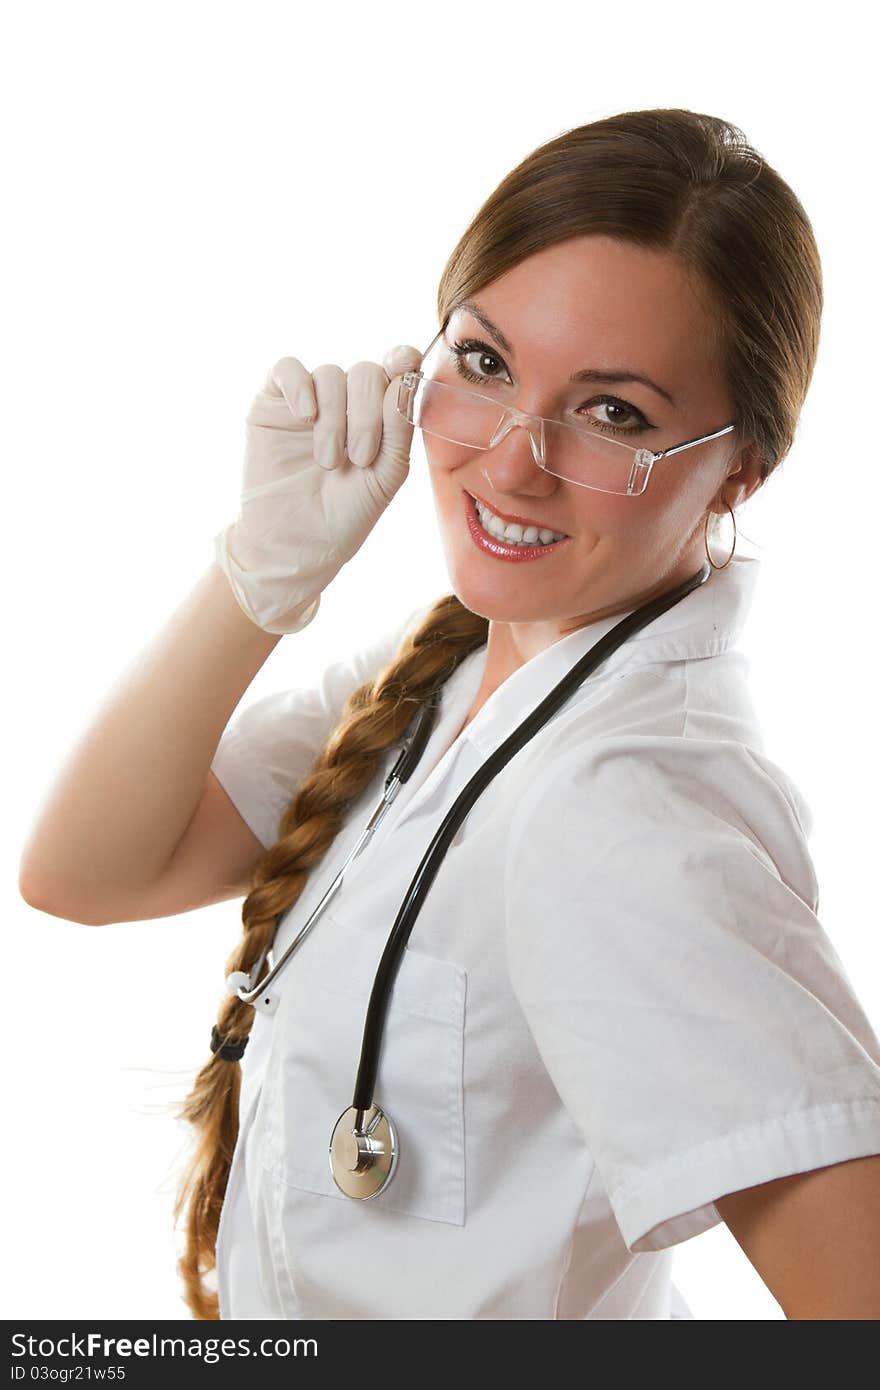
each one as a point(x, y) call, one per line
point(512, 532)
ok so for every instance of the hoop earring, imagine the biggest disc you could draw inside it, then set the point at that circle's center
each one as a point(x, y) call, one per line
point(706, 540)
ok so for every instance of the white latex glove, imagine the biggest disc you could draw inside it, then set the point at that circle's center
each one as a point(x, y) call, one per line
point(307, 505)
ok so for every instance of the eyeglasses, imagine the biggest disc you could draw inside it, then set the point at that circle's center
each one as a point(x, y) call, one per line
point(582, 456)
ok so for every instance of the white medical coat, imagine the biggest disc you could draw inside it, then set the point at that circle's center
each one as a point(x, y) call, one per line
point(616, 1005)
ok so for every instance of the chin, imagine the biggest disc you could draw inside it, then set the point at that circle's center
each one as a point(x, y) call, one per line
point(500, 602)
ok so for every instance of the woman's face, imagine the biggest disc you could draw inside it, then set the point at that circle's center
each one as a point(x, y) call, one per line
point(588, 303)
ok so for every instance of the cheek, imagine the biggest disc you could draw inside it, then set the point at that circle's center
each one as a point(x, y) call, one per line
point(449, 467)
point(444, 456)
point(663, 507)
point(608, 514)
point(600, 511)
point(679, 499)
point(632, 528)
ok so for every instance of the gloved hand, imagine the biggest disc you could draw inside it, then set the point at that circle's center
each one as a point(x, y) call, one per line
point(326, 451)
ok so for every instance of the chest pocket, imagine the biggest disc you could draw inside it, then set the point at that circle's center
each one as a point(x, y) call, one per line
point(318, 1030)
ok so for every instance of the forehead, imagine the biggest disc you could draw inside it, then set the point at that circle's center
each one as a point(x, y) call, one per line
point(592, 301)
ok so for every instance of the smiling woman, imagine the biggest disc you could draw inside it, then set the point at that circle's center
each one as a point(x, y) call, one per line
point(619, 1019)
point(678, 1028)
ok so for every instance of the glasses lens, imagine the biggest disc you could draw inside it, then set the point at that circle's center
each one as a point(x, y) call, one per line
point(593, 460)
point(466, 417)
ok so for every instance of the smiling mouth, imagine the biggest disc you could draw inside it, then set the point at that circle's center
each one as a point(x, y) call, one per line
point(518, 520)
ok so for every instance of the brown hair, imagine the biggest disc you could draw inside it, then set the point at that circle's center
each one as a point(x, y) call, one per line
point(669, 179)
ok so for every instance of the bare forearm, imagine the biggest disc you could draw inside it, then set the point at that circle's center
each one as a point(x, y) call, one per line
point(121, 802)
point(814, 1238)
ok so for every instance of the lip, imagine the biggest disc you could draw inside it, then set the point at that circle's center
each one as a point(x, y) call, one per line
point(501, 550)
point(518, 520)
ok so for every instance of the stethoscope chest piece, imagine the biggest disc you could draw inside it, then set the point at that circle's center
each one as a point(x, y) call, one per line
point(363, 1160)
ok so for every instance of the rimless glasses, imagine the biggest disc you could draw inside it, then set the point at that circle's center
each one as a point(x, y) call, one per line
point(479, 420)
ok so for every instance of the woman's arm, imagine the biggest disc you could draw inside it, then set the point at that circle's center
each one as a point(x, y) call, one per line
point(814, 1238)
point(119, 807)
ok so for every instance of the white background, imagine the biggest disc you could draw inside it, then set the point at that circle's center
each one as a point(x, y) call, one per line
point(193, 190)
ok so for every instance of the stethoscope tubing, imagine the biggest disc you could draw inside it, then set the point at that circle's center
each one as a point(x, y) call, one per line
point(405, 765)
point(433, 856)
point(262, 997)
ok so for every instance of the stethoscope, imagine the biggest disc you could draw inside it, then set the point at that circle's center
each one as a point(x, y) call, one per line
point(364, 1145)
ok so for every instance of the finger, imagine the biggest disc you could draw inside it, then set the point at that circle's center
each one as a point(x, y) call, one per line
point(366, 387)
point(402, 358)
point(397, 432)
point(330, 425)
point(396, 429)
point(289, 378)
point(391, 465)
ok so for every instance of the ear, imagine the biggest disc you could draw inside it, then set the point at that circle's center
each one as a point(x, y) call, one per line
point(743, 477)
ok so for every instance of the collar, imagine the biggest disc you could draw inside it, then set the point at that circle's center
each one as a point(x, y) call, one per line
point(706, 622)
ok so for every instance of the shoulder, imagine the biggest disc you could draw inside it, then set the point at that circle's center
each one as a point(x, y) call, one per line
point(652, 785)
point(272, 741)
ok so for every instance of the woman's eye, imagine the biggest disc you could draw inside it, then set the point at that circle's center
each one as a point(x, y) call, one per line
point(483, 361)
point(620, 415)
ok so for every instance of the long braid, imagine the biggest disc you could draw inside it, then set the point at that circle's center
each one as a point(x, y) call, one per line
point(374, 717)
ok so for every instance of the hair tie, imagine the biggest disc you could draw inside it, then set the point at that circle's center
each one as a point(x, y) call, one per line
point(232, 1050)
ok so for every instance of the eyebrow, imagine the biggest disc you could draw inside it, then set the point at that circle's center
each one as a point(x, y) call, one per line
point(614, 374)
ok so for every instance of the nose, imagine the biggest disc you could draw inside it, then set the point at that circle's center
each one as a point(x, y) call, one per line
point(515, 457)
point(513, 420)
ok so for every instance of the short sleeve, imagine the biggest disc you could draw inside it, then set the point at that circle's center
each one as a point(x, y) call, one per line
point(271, 745)
point(689, 1006)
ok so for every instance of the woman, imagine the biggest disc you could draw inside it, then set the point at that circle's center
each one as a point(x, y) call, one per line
point(618, 1020)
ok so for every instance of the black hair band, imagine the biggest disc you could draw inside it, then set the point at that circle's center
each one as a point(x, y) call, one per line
point(230, 1051)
